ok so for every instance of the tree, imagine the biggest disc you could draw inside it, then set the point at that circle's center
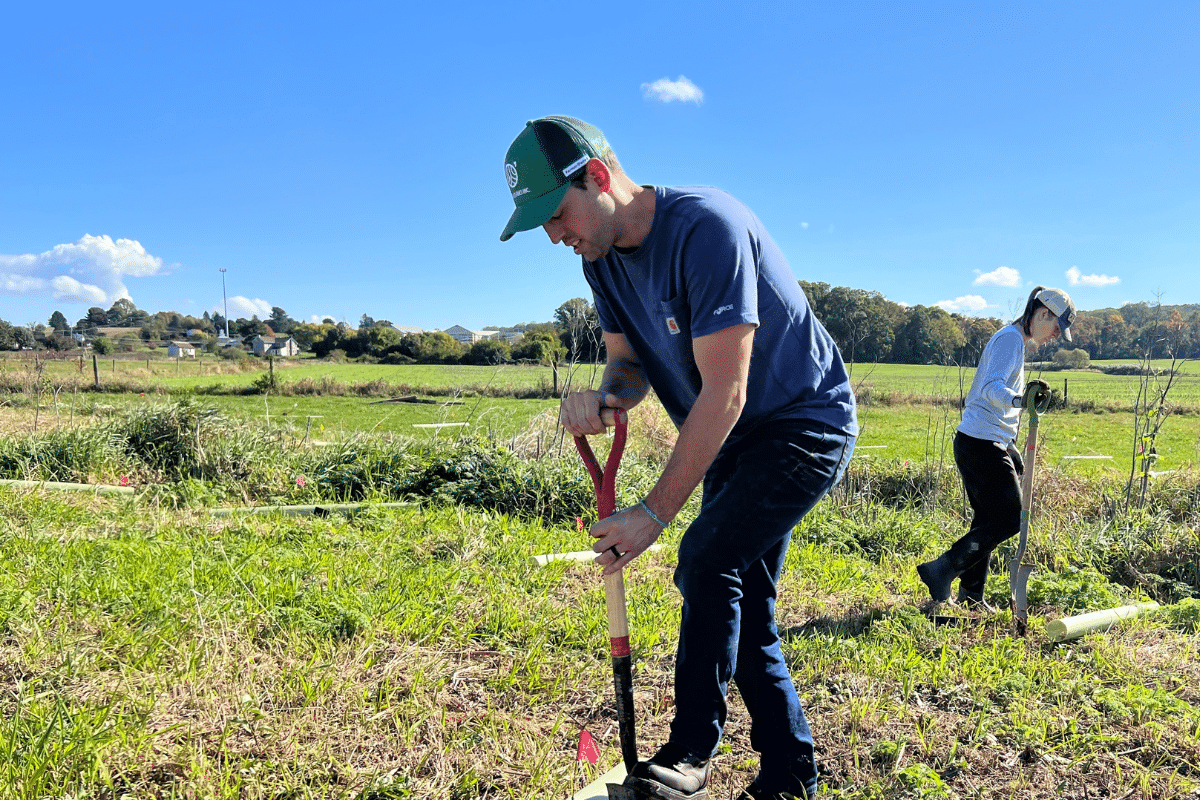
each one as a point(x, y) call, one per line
point(1072, 359)
point(121, 313)
point(431, 347)
point(102, 345)
point(306, 333)
point(380, 339)
point(280, 322)
point(249, 327)
point(488, 352)
point(24, 338)
point(96, 317)
point(8, 336)
point(860, 322)
point(977, 332)
point(58, 341)
point(1115, 337)
point(365, 322)
point(580, 329)
point(947, 337)
point(542, 347)
point(59, 322)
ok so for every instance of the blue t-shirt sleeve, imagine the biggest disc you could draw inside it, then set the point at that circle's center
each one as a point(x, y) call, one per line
point(720, 275)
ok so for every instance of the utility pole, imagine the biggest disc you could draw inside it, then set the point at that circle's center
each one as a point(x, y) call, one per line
point(224, 304)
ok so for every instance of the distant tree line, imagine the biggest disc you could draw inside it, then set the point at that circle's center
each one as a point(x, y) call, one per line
point(866, 326)
point(869, 327)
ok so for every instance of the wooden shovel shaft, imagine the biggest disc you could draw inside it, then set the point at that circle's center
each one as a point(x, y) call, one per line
point(605, 483)
point(1018, 576)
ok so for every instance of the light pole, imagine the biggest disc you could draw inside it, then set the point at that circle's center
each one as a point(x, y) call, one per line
point(224, 304)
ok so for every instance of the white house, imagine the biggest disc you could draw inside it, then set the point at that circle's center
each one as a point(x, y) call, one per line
point(283, 348)
point(181, 350)
point(260, 344)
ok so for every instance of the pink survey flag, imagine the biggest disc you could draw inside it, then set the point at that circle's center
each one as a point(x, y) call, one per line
point(588, 750)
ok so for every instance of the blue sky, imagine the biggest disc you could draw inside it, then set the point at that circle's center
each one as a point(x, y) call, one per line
point(342, 160)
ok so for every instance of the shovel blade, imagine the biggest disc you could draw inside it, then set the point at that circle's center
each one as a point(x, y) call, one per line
point(602, 787)
point(1019, 581)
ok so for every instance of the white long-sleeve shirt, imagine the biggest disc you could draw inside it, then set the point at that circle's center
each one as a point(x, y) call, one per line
point(990, 413)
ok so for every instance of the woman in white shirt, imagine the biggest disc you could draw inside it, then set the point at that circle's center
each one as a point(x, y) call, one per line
point(985, 446)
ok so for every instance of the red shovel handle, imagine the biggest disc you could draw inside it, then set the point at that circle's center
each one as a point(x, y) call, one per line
point(605, 480)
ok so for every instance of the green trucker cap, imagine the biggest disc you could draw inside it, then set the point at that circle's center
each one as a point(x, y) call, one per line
point(539, 166)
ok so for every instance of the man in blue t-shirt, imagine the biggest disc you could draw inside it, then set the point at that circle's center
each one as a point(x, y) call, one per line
point(697, 302)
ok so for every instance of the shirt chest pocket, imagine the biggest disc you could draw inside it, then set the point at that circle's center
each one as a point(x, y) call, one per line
point(674, 322)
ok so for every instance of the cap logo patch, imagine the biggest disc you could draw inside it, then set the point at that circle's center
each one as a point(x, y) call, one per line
point(575, 165)
point(510, 172)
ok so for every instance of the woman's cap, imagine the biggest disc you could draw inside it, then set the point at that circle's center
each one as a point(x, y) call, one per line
point(1061, 306)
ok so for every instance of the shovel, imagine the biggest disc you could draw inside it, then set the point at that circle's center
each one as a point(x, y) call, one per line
point(1036, 402)
point(605, 483)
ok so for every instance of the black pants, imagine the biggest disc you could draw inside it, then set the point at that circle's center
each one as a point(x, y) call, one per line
point(991, 476)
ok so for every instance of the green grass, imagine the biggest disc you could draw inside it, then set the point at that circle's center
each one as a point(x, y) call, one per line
point(920, 433)
point(149, 649)
point(420, 653)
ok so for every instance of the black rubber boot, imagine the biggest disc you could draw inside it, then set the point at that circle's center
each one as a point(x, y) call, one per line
point(938, 576)
point(974, 600)
point(673, 773)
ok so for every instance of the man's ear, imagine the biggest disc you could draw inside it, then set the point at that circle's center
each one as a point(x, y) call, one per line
point(599, 174)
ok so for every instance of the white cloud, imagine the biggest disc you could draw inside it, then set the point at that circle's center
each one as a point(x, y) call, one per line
point(20, 284)
point(1000, 276)
point(968, 302)
point(70, 290)
point(804, 225)
point(317, 319)
point(245, 308)
point(1076, 278)
point(91, 271)
point(666, 91)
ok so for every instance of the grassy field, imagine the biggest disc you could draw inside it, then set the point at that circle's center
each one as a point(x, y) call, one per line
point(421, 654)
point(899, 416)
point(151, 648)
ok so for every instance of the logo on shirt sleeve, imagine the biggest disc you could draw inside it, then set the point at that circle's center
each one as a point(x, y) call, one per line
point(722, 310)
point(673, 326)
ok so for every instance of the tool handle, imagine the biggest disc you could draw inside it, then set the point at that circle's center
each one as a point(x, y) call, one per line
point(1018, 576)
point(622, 664)
point(604, 480)
point(1037, 398)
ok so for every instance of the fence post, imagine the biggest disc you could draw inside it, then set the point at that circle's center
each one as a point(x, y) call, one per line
point(96, 370)
point(1064, 392)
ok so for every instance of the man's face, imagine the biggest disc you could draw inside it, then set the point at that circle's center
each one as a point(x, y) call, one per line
point(584, 221)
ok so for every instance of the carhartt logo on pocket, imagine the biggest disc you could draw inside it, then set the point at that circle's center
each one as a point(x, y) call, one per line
point(673, 326)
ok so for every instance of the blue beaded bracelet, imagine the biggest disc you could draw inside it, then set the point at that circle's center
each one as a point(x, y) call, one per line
point(653, 516)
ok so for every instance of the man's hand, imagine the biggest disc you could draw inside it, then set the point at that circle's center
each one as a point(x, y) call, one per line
point(631, 531)
point(580, 411)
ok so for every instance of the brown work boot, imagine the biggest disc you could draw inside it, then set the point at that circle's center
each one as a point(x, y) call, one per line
point(673, 773)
